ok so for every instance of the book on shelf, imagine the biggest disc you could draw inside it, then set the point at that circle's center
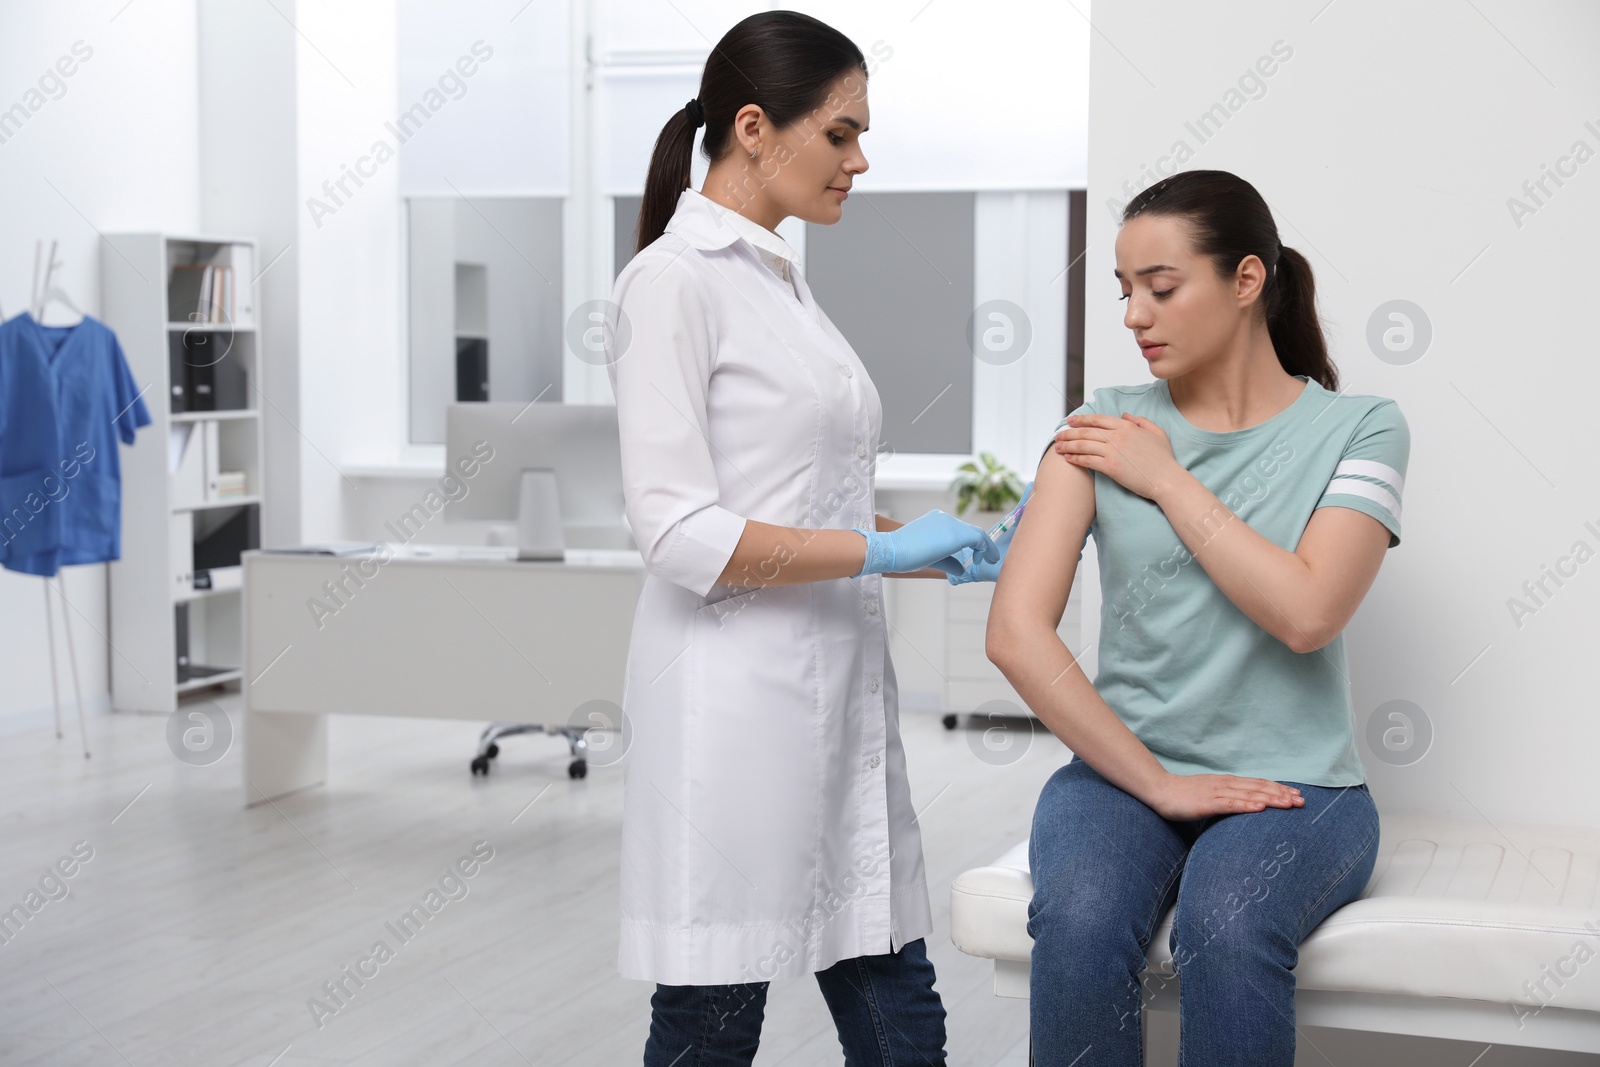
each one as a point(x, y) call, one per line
point(230, 484)
point(200, 292)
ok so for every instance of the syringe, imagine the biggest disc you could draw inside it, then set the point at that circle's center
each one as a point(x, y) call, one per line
point(1010, 521)
point(1007, 523)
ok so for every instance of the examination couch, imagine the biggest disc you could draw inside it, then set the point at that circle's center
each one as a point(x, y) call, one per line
point(1466, 930)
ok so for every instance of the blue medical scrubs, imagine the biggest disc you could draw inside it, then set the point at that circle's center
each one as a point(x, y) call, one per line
point(66, 397)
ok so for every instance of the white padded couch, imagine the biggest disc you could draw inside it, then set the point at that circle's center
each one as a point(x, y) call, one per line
point(1453, 936)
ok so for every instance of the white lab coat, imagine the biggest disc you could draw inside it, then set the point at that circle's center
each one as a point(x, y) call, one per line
point(767, 824)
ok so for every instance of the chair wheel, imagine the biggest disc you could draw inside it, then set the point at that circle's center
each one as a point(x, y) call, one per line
point(950, 721)
point(480, 765)
point(492, 751)
point(578, 769)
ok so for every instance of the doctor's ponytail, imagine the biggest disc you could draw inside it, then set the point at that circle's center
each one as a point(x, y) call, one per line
point(781, 61)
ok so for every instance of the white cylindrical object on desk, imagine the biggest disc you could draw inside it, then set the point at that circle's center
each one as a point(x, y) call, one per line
point(539, 533)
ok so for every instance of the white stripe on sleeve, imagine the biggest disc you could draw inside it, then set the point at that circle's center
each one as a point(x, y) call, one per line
point(1371, 468)
point(1356, 487)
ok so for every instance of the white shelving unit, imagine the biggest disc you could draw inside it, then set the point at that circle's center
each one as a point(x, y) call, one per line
point(170, 490)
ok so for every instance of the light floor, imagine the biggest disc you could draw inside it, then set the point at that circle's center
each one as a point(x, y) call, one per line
point(199, 930)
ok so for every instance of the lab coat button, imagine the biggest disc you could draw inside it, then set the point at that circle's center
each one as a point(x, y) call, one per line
point(872, 686)
point(872, 607)
point(861, 450)
point(844, 369)
point(873, 762)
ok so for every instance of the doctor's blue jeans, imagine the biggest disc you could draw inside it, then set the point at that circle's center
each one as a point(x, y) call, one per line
point(884, 1007)
point(1249, 887)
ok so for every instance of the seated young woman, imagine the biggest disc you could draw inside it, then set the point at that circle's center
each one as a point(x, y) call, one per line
point(1241, 503)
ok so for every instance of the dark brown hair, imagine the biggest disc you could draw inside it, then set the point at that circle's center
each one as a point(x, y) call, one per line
point(1228, 220)
point(781, 61)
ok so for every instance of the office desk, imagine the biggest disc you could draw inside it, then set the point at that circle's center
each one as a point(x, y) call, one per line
point(435, 632)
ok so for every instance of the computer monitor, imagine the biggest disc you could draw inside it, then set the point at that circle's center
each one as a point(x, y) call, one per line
point(579, 442)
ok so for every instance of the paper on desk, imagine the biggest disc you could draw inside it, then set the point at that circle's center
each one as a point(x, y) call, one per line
point(330, 548)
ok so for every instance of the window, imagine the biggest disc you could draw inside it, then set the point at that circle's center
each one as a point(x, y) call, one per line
point(896, 278)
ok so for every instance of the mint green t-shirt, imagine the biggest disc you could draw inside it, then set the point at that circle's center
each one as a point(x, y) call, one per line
point(1196, 680)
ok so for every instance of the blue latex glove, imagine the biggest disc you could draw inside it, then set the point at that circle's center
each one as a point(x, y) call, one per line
point(935, 536)
point(984, 571)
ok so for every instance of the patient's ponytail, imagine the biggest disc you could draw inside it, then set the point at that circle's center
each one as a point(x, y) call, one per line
point(781, 61)
point(1228, 220)
point(1292, 321)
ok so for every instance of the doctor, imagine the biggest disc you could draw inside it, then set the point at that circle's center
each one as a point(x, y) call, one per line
point(768, 830)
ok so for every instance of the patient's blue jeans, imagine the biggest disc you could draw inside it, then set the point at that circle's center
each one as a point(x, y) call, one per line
point(884, 1007)
point(1249, 887)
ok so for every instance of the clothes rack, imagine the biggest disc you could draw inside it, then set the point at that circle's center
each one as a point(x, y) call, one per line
point(40, 295)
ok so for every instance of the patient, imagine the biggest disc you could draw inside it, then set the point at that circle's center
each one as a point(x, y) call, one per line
point(1241, 504)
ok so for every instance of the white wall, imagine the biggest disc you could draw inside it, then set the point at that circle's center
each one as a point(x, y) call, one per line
point(128, 145)
point(248, 152)
point(352, 363)
point(957, 101)
point(1388, 145)
point(506, 127)
point(291, 133)
point(112, 147)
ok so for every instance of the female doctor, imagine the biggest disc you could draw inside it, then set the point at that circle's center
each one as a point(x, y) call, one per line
point(767, 827)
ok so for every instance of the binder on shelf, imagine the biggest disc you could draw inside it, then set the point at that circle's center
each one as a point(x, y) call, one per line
point(212, 449)
point(178, 377)
point(186, 464)
point(202, 382)
point(180, 547)
point(180, 613)
point(209, 371)
point(185, 289)
point(230, 382)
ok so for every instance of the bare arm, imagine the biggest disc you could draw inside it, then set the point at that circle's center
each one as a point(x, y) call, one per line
point(1022, 641)
point(788, 555)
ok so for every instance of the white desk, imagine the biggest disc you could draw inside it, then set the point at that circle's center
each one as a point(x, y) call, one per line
point(435, 632)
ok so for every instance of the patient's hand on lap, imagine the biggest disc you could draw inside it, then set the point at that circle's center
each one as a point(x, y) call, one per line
point(1197, 796)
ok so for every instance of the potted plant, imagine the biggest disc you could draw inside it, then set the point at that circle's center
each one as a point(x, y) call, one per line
point(994, 488)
